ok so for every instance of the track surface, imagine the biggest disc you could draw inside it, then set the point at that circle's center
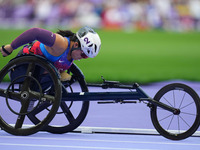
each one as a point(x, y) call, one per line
point(109, 118)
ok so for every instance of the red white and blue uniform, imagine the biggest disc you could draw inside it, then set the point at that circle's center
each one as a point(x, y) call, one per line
point(60, 62)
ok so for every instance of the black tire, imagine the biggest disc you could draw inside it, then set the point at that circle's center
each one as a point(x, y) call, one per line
point(22, 90)
point(183, 125)
point(70, 114)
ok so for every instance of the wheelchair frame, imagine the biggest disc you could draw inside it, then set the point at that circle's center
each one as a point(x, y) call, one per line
point(26, 94)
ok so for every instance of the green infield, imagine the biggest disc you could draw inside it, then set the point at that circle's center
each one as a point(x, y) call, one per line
point(141, 57)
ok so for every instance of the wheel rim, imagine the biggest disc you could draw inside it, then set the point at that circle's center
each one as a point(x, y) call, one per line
point(18, 123)
point(70, 114)
point(181, 125)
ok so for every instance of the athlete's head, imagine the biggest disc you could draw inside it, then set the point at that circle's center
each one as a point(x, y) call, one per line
point(89, 40)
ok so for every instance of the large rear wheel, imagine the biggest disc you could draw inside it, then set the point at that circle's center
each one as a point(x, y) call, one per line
point(70, 114)
point(22, 94)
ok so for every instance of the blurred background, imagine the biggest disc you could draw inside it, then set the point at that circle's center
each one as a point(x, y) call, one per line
point(175, 15)
point(142, 40)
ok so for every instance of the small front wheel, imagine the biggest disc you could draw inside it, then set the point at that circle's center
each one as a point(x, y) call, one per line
point(176, 126)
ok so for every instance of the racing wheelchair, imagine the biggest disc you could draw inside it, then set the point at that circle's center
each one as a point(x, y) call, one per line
point(33, 98)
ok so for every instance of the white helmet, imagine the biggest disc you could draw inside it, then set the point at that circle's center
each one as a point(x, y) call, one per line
point(89, 40)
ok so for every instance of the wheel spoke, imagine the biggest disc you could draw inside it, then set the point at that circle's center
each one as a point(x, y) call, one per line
point(168, 102)
point(40, 108)
point(170, 122)
point(188, 113)
point(182, 101)
point(14, 96)
point(178, 123)
point(165, 117)
point(29, 72)
point(33, 95)
point(187, 105)
point(184, 121)
point(30, 69)
point(67, 112)
point(10, 94)
point(20, 119)
point(174, 99)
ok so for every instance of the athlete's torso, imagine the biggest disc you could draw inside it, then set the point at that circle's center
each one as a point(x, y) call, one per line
point(60, 62)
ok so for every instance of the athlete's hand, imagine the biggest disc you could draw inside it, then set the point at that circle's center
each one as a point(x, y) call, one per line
point(65, 76)
point(6, 50)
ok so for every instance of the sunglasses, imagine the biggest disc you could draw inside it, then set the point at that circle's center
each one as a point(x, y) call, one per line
point(83, 55)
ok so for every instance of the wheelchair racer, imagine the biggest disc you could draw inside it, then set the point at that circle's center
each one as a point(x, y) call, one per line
point(60, 48)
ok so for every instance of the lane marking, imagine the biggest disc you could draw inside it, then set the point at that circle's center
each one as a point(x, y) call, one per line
point(75, 147)
point(106, 141)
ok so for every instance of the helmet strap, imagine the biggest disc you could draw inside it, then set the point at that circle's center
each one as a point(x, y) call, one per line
point(76, 48)
point(73, 48)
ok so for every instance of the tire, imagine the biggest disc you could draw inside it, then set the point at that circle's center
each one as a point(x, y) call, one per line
point(22, 90)
point(180, 126)
point(70, 114)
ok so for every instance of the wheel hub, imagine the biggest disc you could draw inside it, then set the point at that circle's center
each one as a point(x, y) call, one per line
point(25, 95)
point(177, 112)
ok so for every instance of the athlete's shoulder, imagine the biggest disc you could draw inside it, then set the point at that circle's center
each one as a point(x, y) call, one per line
point(60, 45)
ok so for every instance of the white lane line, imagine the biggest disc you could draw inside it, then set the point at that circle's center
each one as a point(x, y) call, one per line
point(74, 147)
point(106, 141)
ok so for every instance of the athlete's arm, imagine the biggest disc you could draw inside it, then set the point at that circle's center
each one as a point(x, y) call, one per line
point(46, 37)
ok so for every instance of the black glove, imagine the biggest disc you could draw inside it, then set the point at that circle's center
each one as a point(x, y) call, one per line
point(5, 51)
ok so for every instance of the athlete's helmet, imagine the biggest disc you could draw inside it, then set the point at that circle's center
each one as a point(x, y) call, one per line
point(89, 40)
